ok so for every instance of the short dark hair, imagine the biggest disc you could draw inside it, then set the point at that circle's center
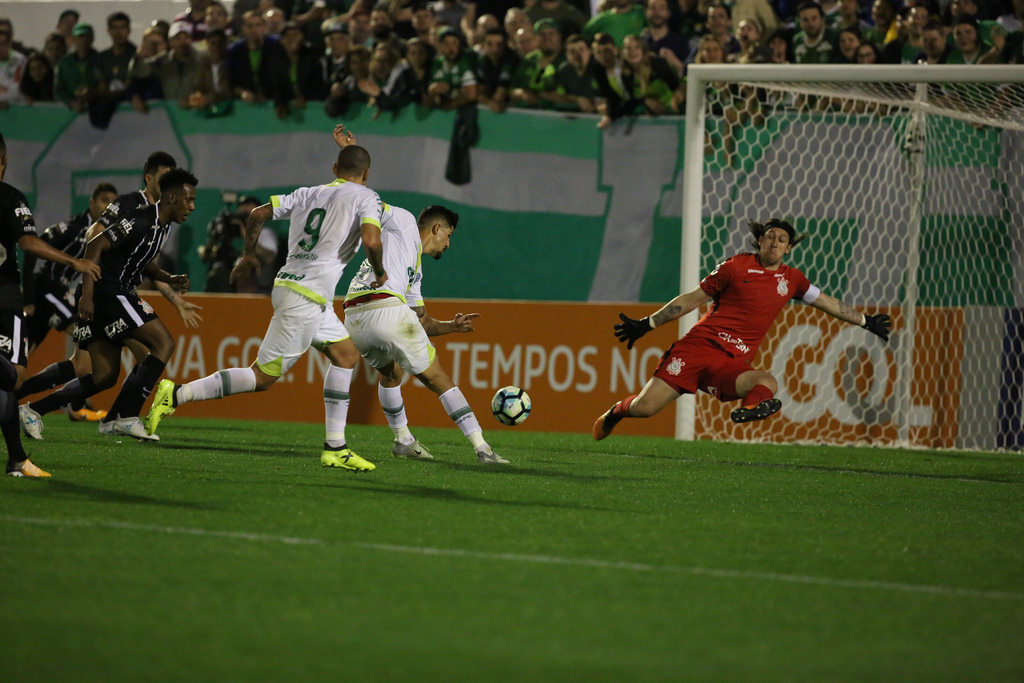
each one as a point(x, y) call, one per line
point(157, 160)
point(758, 230)
point(352, 160)
point(68, 12)
point(719, 3)
point(604, 39)
point(118, 16)
point(810, 4)
point(101, 188)
point(176, 179)
point(437, 212)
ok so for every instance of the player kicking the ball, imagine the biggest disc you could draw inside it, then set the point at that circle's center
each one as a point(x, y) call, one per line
point(326, 225)
point(749, 291)
point(389, 323)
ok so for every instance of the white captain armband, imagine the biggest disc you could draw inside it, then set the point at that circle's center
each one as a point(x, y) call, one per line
point(811, 295)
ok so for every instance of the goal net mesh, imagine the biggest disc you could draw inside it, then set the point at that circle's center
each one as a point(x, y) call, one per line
point(912, 198)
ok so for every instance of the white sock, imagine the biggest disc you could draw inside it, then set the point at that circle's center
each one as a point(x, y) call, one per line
point(336, 385)
point(458, 410)
point(218, 385)
point(394, 410)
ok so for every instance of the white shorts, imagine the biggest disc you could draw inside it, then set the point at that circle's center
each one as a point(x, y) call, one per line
point(296, 325)
point(390, 331)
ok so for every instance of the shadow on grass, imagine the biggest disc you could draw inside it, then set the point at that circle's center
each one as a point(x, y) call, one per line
point(56, 488)
point(190, 445)
point(448, 494)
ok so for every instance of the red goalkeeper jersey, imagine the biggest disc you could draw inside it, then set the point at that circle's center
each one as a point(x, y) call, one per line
point(747, 299)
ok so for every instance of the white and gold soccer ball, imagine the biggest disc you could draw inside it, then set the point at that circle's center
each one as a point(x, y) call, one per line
point(511, 405)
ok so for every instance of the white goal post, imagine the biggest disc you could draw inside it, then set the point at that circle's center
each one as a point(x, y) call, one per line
point(909, 182)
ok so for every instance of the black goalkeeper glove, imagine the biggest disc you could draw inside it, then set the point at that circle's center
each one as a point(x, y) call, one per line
point(878, 324)
point(630, 330)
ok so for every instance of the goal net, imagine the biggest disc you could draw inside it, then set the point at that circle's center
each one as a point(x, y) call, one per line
point(909, 182)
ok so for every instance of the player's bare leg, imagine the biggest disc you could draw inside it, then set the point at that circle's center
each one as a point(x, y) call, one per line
point(651, 400)
point(758, 391)
point(455, 404)
point(389, 391)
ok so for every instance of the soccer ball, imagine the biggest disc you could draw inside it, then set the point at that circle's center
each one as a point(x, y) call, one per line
point(511, 405)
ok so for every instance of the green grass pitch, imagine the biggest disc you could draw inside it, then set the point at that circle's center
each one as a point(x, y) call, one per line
point(226, 553)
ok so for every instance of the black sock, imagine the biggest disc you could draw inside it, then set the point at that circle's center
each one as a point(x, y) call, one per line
point(8, 374)
point(51, 376)
point(75, 390)
point(10, 425)
point(136, 388)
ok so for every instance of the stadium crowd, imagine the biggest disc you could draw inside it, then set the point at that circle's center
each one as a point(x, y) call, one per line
point(626, 59)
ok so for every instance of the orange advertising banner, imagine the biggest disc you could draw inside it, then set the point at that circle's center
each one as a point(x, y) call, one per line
point(837, 382)
point(564, 355)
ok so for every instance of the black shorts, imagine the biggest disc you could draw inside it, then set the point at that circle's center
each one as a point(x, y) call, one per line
point(12, 337)
point(115, 316)
point(54, 311)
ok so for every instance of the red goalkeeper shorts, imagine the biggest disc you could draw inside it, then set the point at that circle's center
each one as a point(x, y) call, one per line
point(689, 365)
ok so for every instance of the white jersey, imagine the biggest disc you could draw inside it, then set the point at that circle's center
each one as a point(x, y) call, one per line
point(323, 234)
point(403, 256)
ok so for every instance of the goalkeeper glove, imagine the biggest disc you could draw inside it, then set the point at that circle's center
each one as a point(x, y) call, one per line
point(629, 330)
point(878, 324)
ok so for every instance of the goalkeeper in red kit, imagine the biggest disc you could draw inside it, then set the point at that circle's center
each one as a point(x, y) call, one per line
point(748, 291)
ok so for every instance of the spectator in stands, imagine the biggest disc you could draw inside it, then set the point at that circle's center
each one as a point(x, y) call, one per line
point(883, 12)
point(748, 33)
point(217, 17)
point(935, 49)
point(663, 42)
point(495, 68)
point(37, 81)
point(333, 63)
point(7, 25)
point(66, 23)
point(536, 73)
point(79, 79)
point(310, 16)
point(275, 19)
point(779, 47)
point(382, 31)
point(720, 26)
point(568, 17)
point(359, 31)
point(524, 42)
point(759, 10)
point(908, 45)
point(656, 87)
point(177, 70)
point(969, 47)
point(116, 60)
point(161, 26)
point(12, 69)
point(424, 24)
point(1013, 22)
point(213, 93)
point(849, 16)
point(576, 79)
point(611, 83)
point(484, 23)
point(620, 19)
point(452, 79)
point(258, 66)
point(344, 93)
point(391, 84)
point(304, 71)
point(846, 46)
point(813, 44)
point(867, 53)
point(419, 55)
point(515, 19)
point(449, 12)
point(54, 49)
point(688, 21)
point(195, 18)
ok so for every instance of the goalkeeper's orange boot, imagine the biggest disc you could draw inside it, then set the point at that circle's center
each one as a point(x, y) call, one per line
point(604, 425)
point(765, 408)
point(86, 414)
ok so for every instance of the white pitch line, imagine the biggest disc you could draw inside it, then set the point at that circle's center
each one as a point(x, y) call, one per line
point(951, 591)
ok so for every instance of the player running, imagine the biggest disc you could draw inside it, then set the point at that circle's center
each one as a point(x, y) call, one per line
point(326, 225)
point(110, 311)
point(389, 323)
point(749, 291)
point(18, 229)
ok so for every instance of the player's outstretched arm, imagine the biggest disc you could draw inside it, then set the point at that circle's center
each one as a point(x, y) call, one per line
point(463, 322)
point(630, 330)
point(878, 324)
point(31, 244)
point(343, 137)
point(186, 309)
